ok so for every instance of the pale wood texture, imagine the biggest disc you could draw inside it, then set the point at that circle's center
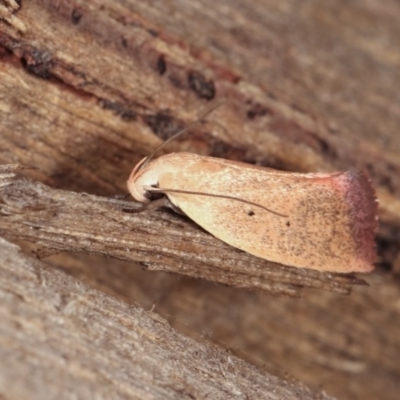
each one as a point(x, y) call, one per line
point(76, 342)
point(310, 86)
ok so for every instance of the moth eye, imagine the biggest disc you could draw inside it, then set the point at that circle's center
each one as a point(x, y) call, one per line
point(148, 195)
point(153, 195)
point(287, 223)
point(250, 213)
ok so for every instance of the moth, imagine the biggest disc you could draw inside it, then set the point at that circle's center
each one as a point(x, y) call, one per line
point(321, 221)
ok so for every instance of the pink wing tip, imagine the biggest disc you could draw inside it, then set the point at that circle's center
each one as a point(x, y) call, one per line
point(363, 207)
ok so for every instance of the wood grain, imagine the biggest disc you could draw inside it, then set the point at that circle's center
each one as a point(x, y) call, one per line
point(75, 340)
point(87, 88)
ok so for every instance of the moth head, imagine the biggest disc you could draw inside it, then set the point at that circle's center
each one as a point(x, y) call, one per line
point(142, 176)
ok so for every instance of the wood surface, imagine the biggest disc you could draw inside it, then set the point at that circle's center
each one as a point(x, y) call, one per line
point(88, 88)
point(74, 341)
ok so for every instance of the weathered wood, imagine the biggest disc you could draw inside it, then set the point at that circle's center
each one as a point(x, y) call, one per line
point(310, 87)
point(67, 221)
point(75, 341)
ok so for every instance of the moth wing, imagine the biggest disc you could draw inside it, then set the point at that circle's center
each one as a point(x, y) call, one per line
point(331, 218)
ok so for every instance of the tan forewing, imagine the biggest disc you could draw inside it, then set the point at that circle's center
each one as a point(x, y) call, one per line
point(330, 223)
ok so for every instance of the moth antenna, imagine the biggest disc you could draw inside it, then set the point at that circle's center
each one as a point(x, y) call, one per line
point(181, 132)
point(221, 196)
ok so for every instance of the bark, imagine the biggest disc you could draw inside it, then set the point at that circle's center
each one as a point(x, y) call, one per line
point(88, 88)
point(75, 341)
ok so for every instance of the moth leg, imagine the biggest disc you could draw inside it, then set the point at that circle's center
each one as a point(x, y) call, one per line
point(163, 202)
point(153, 205)
point(173, 207)
point(156, 204)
